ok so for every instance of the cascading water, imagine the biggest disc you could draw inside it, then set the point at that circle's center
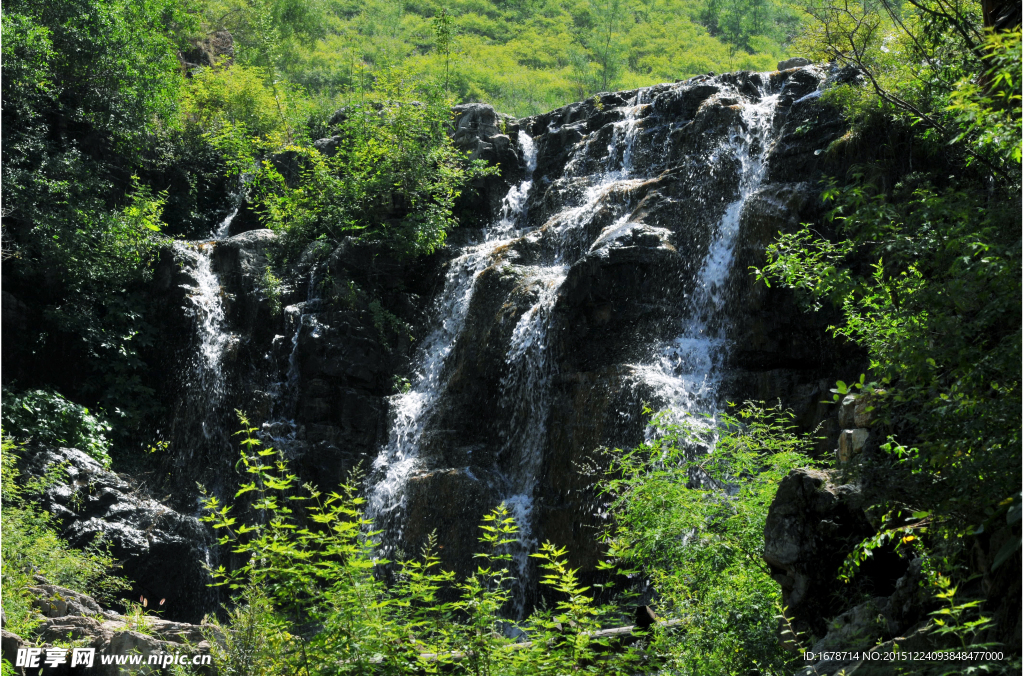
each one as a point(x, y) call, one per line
point(281, 431)
point(411, 410)
point(204, 380)
point(687, 372)
point(646, 198)
point(526, 385)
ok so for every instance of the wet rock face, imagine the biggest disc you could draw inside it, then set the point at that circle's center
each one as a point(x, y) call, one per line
point(566, 314)
point(162, 551)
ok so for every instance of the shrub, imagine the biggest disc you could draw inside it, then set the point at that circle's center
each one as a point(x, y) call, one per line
point(312, 584)
point(690, 508)
point(48, 418)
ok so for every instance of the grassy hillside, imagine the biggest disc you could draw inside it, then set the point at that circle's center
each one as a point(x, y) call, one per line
point(523, 56)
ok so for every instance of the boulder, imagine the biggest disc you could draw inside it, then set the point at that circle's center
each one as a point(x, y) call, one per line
point(9, 645)
point(241, 261)
point(55, 601)
point(163, 552)
point(481, 133)
point(795, 62)
point(812, 525)
point(852, 443)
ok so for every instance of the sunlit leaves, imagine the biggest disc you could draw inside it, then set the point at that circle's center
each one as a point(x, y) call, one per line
point(690, 508)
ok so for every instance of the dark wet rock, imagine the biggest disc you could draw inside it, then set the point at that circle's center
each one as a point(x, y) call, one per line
point(463, 494)
point(242, 263)
point(162, 551)
point(246, 218)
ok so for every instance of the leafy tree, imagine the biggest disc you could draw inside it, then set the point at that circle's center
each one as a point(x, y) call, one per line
point(85, 86)
point(48, 418)
point(690, 508)
point(925, 268)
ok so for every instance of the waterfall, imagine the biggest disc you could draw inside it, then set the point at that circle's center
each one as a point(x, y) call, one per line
point(687, 370)
point(526, 390)
point(606, 204)
point(411, 410)
point(204, 377)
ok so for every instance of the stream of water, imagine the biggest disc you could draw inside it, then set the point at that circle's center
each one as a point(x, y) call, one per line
point(204, 376)
point(411, 410)
point(684, 372)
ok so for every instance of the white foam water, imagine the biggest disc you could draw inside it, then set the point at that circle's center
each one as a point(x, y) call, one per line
point(410, 410)
point(205, 381)
point(687, 371)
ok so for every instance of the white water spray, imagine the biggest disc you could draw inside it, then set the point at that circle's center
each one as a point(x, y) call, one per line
point(687, 371)
point(411, 410)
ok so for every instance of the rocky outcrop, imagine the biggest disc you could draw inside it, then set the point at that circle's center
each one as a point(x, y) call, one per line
point(482, 133)
point(562, 322)
point(162, 552)
point(812, 525)
point(816, 519)
point(242, 262)
point(795, 62)
point(216, 49)
point(107, 638)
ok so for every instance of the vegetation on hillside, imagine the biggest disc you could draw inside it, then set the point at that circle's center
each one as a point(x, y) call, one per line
point(522, 56)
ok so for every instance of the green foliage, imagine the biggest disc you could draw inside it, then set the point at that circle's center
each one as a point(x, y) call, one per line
point(86, 84)
point(244, 96)
point(312, 596)
point(393, 177)
point(938, 314)
point(987, 112)
point(924, 269)
point(690, 508)
point(270, 284)
point(251, 640)
point(929, 64)
point(48, 418)
point(31, 546)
